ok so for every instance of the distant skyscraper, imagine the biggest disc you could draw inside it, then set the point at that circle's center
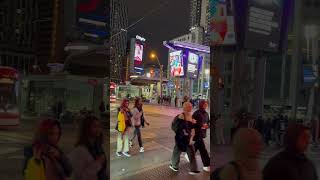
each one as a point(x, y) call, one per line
point(119, 22)
point(26, 29)
point(195, 13)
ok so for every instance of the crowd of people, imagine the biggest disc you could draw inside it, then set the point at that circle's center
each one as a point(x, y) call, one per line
point(190, 130)
point(45, 160)
point(290, 163)
point(248, 138)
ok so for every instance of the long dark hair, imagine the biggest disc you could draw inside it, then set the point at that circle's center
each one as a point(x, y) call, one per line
point(84, 132)
point(42, 131)
point(136, 103)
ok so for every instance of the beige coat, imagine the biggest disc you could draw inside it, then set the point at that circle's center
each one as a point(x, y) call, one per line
point(248, 166)
point(84, 165)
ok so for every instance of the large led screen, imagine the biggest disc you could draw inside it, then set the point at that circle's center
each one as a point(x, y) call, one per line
point(176, 64)
point(138, 54)
point(193, 65)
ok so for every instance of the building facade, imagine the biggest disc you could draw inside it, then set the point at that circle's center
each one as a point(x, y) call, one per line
point(25, 36)
point(195, 13)
point(118, 48)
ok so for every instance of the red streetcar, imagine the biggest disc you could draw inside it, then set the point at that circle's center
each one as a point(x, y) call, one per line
point(9, 111)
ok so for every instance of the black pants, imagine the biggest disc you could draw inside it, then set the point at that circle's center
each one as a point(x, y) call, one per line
point(199, 145)
point(137, 132)
point(175, 160)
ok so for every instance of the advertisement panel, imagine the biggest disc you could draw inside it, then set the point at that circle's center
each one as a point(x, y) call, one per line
point(193, 65)
point(176, 64)
point(221, 23)
point(309, 76)
point(138, 53)
point(136, 56)
point(263, 25)
point(93, 18)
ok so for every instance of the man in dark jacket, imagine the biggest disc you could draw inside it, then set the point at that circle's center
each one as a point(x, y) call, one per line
point(292, 163)
point(202, 118)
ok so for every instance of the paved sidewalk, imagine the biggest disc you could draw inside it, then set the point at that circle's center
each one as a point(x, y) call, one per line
point(158, 139)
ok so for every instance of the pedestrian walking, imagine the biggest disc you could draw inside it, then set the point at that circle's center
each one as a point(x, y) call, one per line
point(219, 129)
point(176, 101)
point(44, 160)
point(241, 120)
point(292, 163)
point(259, 124)
point(267, 131)
point(123, 127)
point(183, 126)
point(102, 107)
point(88, 157)
point(202, 124)
point(138, 120)
point(317, 129)
point(281, 129)
point(247, 147)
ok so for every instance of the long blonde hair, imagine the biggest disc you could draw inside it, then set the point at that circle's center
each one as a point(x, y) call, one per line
point(188, 114)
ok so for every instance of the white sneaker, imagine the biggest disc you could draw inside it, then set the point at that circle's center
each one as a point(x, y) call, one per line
point(194, 172)
point(173, 169)
point(207, 169)
point(187, 158)
point(126, 154)
point(142, 149)
point(118, 154)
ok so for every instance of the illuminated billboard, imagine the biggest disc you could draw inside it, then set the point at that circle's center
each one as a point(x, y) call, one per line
point(193, 65)
point(138, 54)
point(221, 23)
point(176, 63)
point(93, 18)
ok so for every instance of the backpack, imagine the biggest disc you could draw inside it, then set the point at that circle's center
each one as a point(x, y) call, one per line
point(175, 123)
point(216, 174)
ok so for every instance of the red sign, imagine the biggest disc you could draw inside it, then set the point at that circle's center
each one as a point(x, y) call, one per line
point(8, 72)
point(93, 82)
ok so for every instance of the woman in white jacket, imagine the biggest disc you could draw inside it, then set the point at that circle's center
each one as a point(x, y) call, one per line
point(88, 158)
point(138, 121)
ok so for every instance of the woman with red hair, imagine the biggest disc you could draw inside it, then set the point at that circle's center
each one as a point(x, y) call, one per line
point(202, 118)
point(123, 126)
point(45, 155)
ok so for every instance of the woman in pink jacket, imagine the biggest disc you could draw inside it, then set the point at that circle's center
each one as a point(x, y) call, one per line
point(138, 121)
point(88, 158)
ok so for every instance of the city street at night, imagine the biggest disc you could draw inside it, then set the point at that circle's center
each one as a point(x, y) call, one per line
point(158, 139)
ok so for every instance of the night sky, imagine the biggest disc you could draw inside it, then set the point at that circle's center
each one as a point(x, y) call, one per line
point(169, 22)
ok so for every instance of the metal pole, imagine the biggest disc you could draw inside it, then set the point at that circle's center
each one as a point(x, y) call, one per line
point(260, 71)
point(314, 53)
point(295, 65)
point(283, 76)
point(161, 74)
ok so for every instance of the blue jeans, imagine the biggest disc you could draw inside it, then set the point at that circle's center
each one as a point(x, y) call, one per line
point(137, 132)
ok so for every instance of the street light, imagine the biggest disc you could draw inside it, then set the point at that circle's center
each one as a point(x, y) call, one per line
point(207, 71)
point(154, 56)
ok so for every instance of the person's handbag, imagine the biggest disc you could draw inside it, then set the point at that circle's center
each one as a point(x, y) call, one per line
point(35, 170)
point(121, 125)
